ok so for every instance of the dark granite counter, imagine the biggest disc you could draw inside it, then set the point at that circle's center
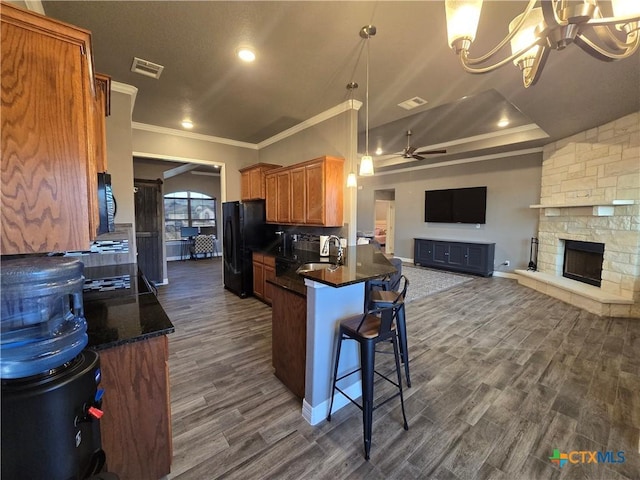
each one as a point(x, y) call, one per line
point(361, 263)
point(126, 313)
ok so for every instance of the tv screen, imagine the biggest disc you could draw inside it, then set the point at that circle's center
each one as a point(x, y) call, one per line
point(456, 205)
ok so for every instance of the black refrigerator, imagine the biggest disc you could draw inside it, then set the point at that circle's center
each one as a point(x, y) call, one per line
point(244, 230)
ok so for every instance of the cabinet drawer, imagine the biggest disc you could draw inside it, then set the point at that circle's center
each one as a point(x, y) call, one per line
point(257, 257)
point(270, 261)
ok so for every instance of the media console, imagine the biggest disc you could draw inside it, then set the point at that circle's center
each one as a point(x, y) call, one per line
point(468, 257)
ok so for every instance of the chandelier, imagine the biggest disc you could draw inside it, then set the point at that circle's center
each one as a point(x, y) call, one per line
point(553, 24)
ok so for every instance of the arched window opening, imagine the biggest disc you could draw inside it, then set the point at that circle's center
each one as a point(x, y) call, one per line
point(188, 209)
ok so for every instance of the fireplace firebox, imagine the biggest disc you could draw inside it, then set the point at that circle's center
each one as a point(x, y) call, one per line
point(583, 261)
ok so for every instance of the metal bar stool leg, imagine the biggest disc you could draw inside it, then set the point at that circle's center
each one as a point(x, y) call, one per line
point(399, 375)
point(367, 362)
point(335, 375)
point(402, 337)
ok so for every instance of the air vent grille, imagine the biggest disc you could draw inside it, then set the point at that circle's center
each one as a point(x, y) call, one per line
point(146, 68)
point(413, 103)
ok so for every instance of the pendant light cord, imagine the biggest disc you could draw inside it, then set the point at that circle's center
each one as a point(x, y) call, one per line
point(367, 100)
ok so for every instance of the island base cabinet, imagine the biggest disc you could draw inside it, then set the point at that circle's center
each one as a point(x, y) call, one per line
point(136, 425)
point(289, 338)
point(467, 257)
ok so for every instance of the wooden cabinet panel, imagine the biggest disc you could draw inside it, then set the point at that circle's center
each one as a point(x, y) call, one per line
point(271, 202)
point(48, 178)
point(283, 179)
point(136, 425)
point(289, 339)
point(298, 195)
point(252, 185)
point(314, 195)
point(264, 268)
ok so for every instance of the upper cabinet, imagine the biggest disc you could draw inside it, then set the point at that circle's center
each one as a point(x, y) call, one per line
point(49, 143)
point(307, 193)
point(253, 181)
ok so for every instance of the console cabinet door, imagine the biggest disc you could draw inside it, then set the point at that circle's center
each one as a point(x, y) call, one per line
point(440, 253)
point(423, 252)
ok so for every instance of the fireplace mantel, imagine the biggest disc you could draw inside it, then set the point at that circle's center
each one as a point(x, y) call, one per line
point(599, 208)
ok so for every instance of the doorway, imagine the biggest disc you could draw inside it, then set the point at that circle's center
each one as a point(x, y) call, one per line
point(148, 214)
point(385, 219)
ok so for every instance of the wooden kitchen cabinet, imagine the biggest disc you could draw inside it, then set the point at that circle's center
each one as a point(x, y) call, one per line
point(289, 338)
point(264, 268)
point(307, 193)
point(48, 135)
point(253, 185)
point(136, 425)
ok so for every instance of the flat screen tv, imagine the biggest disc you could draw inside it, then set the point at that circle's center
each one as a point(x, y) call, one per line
point(456, 205)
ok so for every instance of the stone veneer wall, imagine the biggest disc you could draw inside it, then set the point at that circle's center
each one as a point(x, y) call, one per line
point(598, 165)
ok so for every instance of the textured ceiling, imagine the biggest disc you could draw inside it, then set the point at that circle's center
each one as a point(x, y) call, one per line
point(308, 52)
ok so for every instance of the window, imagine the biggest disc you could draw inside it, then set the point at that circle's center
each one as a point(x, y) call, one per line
point(187, 209)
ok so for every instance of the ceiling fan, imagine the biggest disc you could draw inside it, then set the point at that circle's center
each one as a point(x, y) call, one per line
point(410, 152)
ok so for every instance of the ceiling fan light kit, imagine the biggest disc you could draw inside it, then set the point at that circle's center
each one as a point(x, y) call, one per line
point(554, 24)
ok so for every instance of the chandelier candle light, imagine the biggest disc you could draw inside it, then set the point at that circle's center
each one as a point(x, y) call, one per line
point(553, 24)
point(366, 162)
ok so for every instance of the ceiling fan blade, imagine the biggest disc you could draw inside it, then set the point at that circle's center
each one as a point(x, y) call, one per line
point(431, 152)
point(417, 157)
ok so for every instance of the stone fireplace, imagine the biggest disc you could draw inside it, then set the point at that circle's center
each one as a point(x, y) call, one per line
point(590, 196)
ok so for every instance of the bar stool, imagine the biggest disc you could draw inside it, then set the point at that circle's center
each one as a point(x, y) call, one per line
point(369, 329)
point(388, 298)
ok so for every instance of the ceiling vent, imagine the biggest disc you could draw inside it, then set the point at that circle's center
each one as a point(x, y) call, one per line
point(413, 103)
point(146, 68)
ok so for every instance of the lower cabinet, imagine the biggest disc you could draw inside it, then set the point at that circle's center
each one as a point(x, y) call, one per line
point(264, 268)
point(468, 257)
point(136, 425)
point(289, 338)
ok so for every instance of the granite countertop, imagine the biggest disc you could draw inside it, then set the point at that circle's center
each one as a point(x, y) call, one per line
point(121, 315)
point(361, 263)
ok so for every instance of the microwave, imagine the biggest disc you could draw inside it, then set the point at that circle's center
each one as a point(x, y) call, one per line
point(106, 204)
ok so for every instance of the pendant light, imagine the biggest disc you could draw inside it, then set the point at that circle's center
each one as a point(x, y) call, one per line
point(366, 162)
point(351, 178)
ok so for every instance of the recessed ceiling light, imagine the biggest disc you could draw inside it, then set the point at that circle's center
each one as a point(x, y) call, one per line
point(187, 124)
point(246, 54)
point(503, 123)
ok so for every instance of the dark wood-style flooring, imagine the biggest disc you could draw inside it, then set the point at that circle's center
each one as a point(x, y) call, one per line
point(502, 375)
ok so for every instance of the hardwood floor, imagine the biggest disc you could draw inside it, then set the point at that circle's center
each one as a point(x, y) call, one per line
point(502, 375)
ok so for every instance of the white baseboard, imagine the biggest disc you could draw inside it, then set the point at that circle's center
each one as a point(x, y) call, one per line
point(315, 415)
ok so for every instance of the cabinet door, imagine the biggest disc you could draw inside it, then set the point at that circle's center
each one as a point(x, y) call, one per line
point(457, 254)
point(245, 186)
point(269, 274)
point(298, 194)
point(440, 253)
point(271, 204)
point(256, 183)
point(258, 279)
point(46, 136)
point(315, 194)
point(476, 258)
point(422, 252)
point(283, 198)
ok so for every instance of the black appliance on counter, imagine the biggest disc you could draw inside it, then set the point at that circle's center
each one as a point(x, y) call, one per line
point(244, 229)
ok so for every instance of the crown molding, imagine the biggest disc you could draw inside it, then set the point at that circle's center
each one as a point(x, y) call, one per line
point(194, 136)
point(127, 90)
point(321, 117)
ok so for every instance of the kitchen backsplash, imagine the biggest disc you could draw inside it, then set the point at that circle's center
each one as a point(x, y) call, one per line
point(112, 248)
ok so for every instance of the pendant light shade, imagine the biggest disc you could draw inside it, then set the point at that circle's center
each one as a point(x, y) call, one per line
point(352, 182)
point(366, 162)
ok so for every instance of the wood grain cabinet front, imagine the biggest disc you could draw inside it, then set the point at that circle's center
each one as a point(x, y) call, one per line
point(252, 186)
point(48, 135)
point(307, 193)
point(136, 425)
point(264, 268)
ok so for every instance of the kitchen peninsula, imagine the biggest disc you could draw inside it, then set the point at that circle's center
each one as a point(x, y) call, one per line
point(331, 295)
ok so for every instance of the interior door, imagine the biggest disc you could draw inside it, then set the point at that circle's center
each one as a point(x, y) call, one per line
point(149, 227)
